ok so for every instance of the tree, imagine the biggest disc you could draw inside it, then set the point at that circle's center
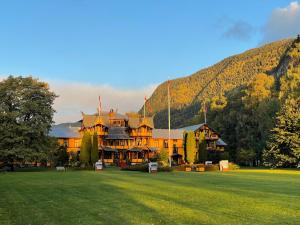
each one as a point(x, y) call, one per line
point(202, 151)
point(246, 156)
point(58, 155)
point(163, 157)
point(26, 116)
point(85, 149)
point(190, 147)
point(94, 149)
point(218, 102)
point(283, 148)
point(259, 89)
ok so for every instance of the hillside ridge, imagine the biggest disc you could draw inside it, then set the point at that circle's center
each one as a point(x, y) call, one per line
point(187, 93)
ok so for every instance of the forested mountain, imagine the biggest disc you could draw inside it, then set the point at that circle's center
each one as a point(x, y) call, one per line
point(188, 92)
point(247, 97)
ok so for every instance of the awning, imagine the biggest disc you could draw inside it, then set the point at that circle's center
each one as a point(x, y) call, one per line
point(176, 154)
point(108, 149)
point(135, 149)
point(152, 149)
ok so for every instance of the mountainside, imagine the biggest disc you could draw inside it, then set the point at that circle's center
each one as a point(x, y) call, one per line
point(251, 99)
point(189, 92)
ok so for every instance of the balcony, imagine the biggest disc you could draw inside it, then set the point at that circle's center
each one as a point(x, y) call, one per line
point(118, 146)
point(212, 137)
point(141, 134)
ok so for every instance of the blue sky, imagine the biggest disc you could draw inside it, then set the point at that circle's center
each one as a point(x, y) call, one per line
point(130, 45)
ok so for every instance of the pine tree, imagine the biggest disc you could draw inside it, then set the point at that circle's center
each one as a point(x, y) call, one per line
point(85, 150)
point(202, 151)
point(94, 149)
point(283, 148)
point(190, 147)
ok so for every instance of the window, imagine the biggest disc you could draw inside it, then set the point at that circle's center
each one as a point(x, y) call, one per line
point(66, 144)
point(77, 143)
point(138, 142)
point(166, 144)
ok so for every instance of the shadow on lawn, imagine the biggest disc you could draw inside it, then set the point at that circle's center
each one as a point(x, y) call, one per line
point(213, 201)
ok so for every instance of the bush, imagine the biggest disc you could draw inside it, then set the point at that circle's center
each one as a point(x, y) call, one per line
point(179, 168)
point(165, 169)
point(213, 167)
point(233, 166)
point(143, 167)
point(163, 157)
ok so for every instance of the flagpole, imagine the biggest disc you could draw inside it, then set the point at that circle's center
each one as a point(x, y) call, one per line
point(204, 112)
point(169, 120)
point(145, 107)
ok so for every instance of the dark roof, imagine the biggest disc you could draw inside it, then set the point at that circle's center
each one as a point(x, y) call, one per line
point(220, 142)
point(66, 130)
point(164, 134)
point(118, 133)
point(193, 127)
point(92, 120)
point(196, 127)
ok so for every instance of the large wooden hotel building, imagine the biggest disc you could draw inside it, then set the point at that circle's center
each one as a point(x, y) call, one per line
point(131, 138)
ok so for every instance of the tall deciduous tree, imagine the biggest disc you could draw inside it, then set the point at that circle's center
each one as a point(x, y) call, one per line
point(26, 116)
point(85, 149)
point(283, 148)
point(95, 150)
point(190, 147)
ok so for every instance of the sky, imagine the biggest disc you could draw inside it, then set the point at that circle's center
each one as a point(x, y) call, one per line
point(122, 50)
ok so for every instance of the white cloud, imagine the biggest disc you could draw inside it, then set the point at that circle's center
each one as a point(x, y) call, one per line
point(76, 97)
point(283, 23)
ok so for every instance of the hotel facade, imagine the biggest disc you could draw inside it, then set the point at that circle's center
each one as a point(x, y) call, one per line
point(131, 138)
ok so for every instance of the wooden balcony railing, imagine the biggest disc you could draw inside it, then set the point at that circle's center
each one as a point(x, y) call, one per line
point(141, 134)
point(212, 137)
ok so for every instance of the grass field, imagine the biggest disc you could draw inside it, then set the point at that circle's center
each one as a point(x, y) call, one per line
point(123, 197)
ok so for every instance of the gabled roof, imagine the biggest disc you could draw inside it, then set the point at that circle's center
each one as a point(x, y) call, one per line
point(193, 127)
point(66, 130)
point(92, 120)
point(164, 134)
point(220, 142)
point(134, 121)
point(196, 127)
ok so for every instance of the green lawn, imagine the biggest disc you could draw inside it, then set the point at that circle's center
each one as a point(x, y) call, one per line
point(123, 197)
